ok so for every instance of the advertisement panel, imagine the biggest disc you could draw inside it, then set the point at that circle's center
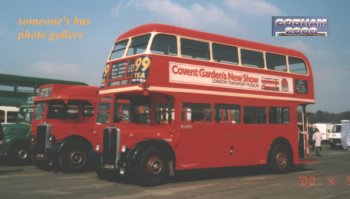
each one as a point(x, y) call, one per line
point(216, 77)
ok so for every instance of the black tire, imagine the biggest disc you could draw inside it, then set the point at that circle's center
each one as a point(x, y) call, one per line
point(280, 159)
point(20, 154)
point(151, 168)
point(73, 158)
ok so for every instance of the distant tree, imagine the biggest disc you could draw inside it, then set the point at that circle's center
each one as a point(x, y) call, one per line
point(326, 117)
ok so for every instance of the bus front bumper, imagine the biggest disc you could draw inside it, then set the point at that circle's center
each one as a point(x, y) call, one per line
point(120, 167)
point(46, 155)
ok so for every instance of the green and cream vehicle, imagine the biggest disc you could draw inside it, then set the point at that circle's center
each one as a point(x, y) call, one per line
point(15, 136)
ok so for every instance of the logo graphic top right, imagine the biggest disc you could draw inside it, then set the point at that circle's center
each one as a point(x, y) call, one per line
point(299, 26)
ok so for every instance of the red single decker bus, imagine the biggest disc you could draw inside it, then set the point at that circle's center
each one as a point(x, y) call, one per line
point(174, 99)
point(62, 126)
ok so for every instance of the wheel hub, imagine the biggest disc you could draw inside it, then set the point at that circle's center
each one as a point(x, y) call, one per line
point(22, 154)
point(76, 158)
point(155, 166)
point(281, 159)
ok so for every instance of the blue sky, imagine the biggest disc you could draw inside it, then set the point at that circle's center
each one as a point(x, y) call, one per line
point(249, 19)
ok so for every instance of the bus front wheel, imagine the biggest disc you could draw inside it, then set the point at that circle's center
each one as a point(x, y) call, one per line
point(20, 154)
point(280, 159)
point(73, 158)
point(151, 168)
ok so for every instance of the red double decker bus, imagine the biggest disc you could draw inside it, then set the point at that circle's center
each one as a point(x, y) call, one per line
point(62, 126)
point(175, 99)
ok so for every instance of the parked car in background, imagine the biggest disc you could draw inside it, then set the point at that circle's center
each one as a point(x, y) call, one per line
point(16, 134)
point(335, 136)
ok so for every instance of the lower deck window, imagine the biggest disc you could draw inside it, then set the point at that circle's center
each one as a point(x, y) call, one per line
point(254, 115)
point(193, 112)
point(103, 110)
point(227, 113)
point(57, 109)
point(135, 110)
point(279, 115)
point(165, 113)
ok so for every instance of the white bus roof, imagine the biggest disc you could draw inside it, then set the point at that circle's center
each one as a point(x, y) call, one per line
point(9, 108)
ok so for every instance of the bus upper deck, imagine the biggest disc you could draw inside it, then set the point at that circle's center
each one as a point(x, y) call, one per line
point(191, 61)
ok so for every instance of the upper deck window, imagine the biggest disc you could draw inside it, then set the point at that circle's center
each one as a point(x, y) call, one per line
point(138, 44)
point(252, 58)
point(118, 49)
point(276, 62)
point(164, 44)
point(297, 65)
point(195, 49)
point(224, 53)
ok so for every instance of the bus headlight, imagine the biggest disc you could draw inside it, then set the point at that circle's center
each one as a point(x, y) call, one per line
point(33, 139)
point(123, 149)
point(97, 148)
point(122, 171)
point(52, 138)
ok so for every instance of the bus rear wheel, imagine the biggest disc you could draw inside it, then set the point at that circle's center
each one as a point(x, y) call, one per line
point(151, 168)
point(73, 158)
point(280, 159)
